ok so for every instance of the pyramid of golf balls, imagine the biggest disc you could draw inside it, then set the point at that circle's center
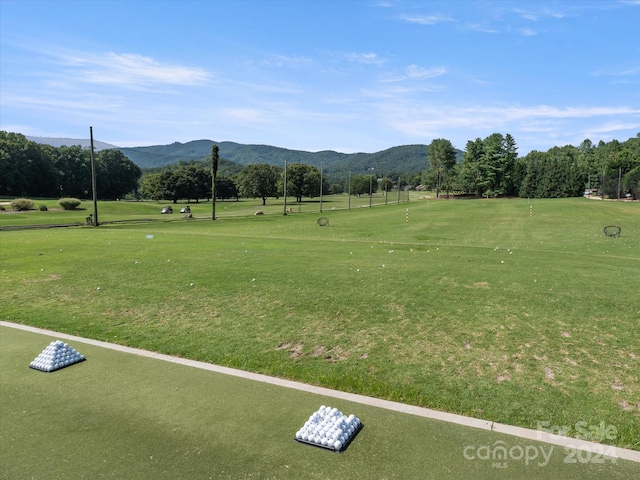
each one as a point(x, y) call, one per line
point(329, 428)
point(57, 355)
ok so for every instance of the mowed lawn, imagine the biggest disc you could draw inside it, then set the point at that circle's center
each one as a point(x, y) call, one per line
point(122, 416)
point(516, 312)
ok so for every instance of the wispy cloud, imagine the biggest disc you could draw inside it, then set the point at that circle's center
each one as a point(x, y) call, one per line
point(536, 15)
point(428, 120)
point(425, 19)
point(366, 58)
point(609, 127)
point(384, 3)
point(482, 28)
point(618, 72)
point(527, 32)
point(60, 102)
point(416, 71)
point(295, 61)
point(130, 69)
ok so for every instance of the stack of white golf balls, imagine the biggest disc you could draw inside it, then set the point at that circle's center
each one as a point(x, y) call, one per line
point(57, 355)
point(328, 427)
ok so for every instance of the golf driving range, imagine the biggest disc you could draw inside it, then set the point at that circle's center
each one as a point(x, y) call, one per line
point(512, 311)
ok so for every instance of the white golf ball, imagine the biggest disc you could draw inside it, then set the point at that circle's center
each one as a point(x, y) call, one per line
point(337, 445)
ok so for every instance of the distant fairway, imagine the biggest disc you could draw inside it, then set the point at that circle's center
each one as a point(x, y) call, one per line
point(499, 309)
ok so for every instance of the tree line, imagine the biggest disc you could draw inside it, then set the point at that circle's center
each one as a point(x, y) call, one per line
point(491, 167)
point(29, 169)
point(488, 167)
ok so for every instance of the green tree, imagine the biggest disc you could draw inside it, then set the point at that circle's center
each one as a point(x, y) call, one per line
point(302, 181)
point(361, 184)
point(26, 168)
point(259, 180)
point(226, 188)
point(116, 175)
point(631, 182)
point(442, 158)
point(385, 184)
point(73, 171)
point(199, 184)
point(553, 174)
point(151, 186)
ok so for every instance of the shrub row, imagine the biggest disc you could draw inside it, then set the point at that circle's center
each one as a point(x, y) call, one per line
point(22, 204)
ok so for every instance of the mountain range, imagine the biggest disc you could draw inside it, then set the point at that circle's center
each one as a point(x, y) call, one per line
point(404, 158)
point(71, 142)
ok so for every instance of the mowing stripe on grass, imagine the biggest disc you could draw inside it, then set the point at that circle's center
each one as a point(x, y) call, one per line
point(519, 432)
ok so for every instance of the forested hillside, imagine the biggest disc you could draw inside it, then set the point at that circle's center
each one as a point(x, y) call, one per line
point(406, 158)
point(488, 167)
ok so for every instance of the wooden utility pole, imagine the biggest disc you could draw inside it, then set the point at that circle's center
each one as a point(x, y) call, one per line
point(285, 187)
point(214, 174)
point(93, 182)
point(320, 188)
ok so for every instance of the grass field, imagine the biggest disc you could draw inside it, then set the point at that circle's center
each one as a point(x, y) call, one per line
point(123, 416)
point(505, 310)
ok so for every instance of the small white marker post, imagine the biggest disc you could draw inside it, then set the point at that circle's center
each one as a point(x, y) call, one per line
point(407, 216)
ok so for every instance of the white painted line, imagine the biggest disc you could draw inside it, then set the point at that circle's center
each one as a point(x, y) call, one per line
point(527, 433)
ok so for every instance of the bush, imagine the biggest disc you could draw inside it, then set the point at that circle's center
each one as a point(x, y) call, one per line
point(22, 204)
point(42, 207)
point(69, 203)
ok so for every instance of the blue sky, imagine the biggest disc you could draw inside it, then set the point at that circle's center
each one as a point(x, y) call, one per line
point(351, 76)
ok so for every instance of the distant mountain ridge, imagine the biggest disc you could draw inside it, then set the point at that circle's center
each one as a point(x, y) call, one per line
point(404, 158)
point(71, 142)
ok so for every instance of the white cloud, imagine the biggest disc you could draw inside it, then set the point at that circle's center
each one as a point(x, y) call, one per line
point(295, 61)
point(527, 32)
point(482, 28)
point(425, 19)
point(60, 102)
point(609, 127)
point(416, 71)
point(366, 58)
point(427, 121)
point(535, 15)
point(129, 70)
point(620, 72)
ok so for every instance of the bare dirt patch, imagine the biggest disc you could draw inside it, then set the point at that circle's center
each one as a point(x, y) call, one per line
point(49, 278)
point(296, 350)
